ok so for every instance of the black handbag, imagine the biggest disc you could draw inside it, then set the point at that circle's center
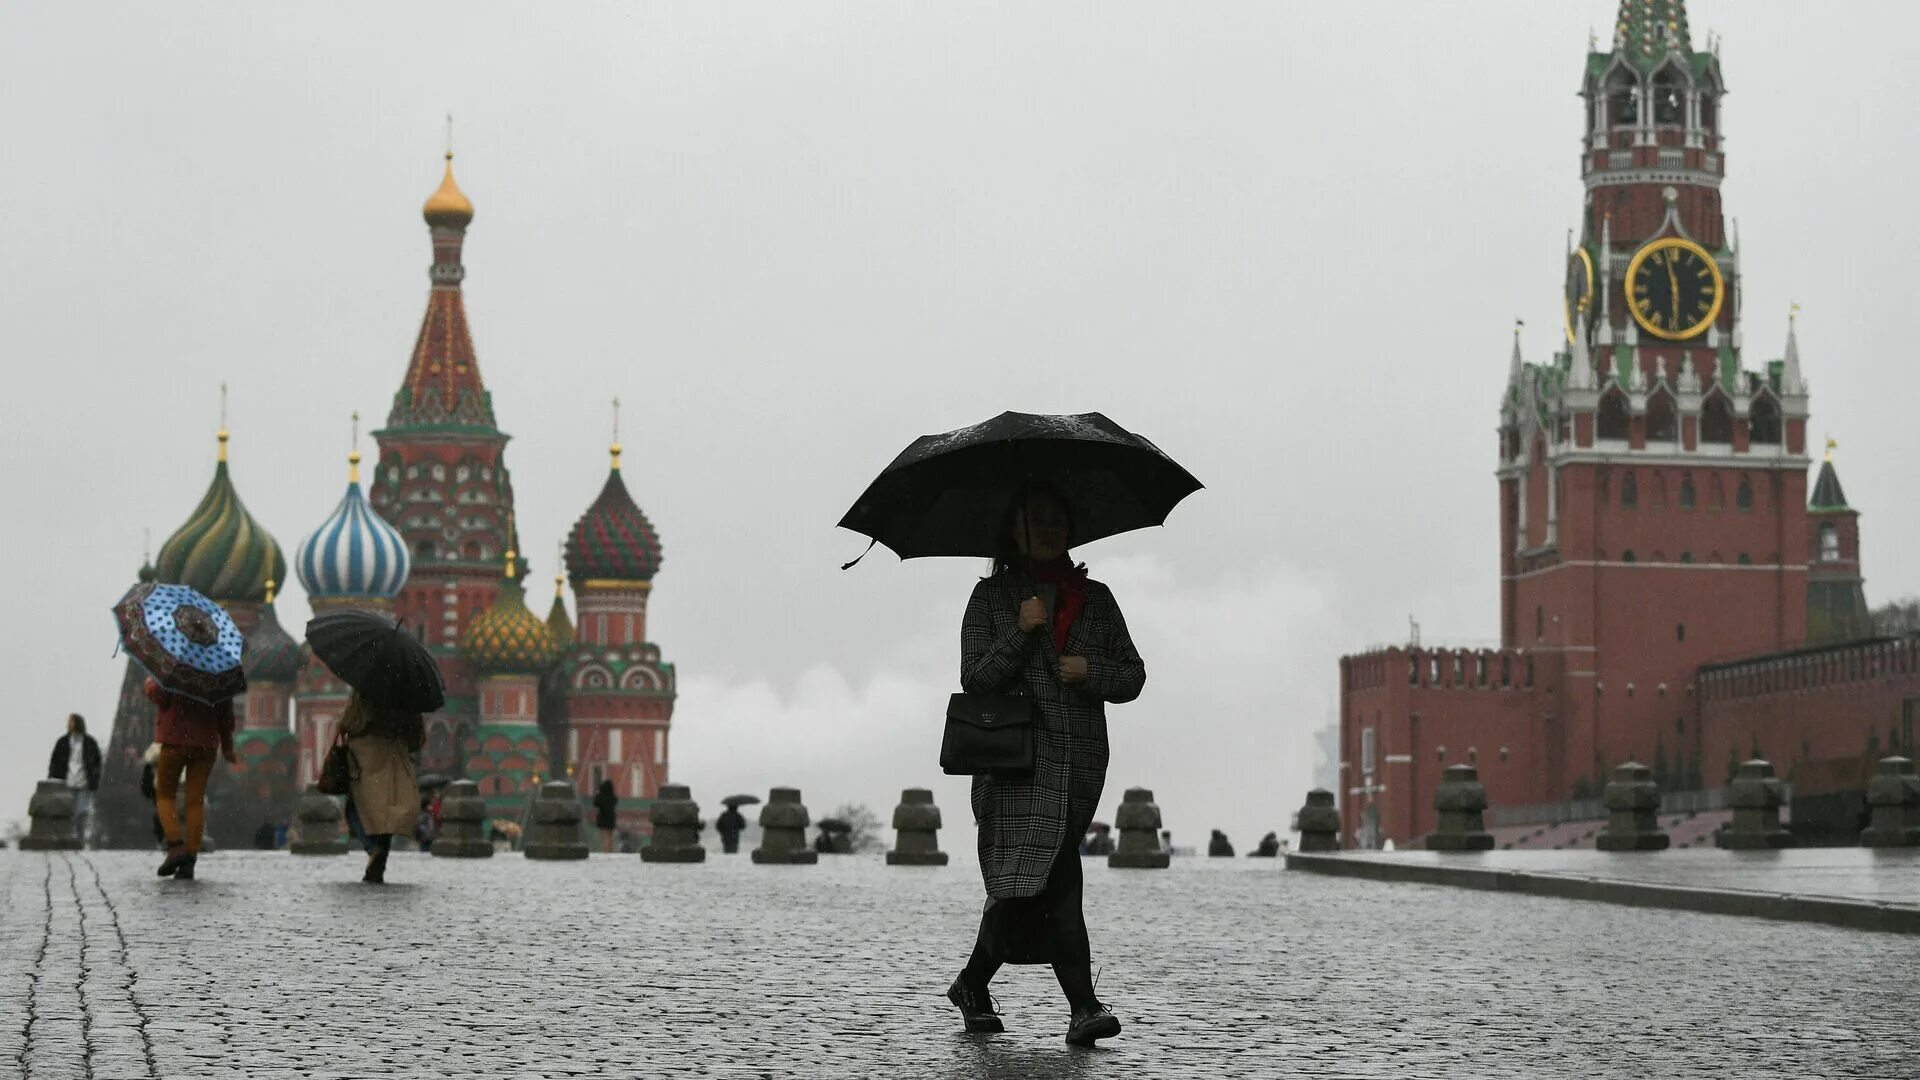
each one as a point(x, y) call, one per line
point(990, 734)
point(336, 775)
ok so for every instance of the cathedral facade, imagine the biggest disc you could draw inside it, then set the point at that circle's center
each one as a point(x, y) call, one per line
point(430, 539)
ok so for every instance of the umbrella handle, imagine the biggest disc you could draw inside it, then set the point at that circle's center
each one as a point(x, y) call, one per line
point(862, 555)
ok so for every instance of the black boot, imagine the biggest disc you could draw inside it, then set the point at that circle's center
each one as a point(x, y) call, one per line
point(185, 872)
point(1090, 1023)
point(176, 854)
point(376, 868)
point(976, 1007)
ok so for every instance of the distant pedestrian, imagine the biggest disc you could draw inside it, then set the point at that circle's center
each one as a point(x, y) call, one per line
point(150, 791)
point(190, 733)
point(606, 806)
point(384, 797)
point(1166, 842)
point(76, 763)
point(263, 837)
point(1269, 847)
point(1037, 624)
point(730, 824)
point(1099, 841)
point(1219, 846)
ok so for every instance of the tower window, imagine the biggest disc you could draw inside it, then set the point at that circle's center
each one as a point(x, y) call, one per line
point(1627, 556)
point(1667, 106)
point(1539, 623)
point(1745, 559)
point(1686, 556)
point(1716, 419)
point(1686, 491)
point(1680, 632)
point(1743, 495)
point(1662, 422)
point(1763, 423)
point(1629, 491)
point(1613, 416)
point(1829, 544)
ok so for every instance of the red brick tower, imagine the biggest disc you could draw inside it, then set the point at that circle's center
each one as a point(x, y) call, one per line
point(1836, 592)
point(1652, 490)
point(441, 479)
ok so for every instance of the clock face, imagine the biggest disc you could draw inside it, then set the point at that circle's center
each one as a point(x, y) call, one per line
point(1579, 296)
point(1674, 288)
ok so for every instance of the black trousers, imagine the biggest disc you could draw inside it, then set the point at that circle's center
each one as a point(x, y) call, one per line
point(1048, 927)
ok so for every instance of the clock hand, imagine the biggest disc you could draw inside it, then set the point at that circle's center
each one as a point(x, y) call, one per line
point(1673, 283)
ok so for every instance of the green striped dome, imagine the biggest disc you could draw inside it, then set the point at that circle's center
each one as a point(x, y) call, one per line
point(221, 551)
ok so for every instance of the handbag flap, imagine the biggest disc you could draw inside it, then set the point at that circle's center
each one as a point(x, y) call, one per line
point(990, 712)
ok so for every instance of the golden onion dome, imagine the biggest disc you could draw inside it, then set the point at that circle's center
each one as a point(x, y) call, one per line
point(508, 638)
point(448, 207)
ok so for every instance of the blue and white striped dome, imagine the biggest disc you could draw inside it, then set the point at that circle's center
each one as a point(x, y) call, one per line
point(354, 553)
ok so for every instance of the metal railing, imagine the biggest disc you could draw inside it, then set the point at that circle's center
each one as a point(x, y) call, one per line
point(1671, 802)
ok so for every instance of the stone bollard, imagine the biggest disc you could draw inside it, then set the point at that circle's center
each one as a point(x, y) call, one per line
point(1893, 795)
point(1319, 822)
point(1461, 802)
point(783, 827)
point(463, 823)
point(1138, 820)
point(916, 823)
point(1755, 797)
point(51, 811)
point(320, 822)
point(1633, 812)
point(556, 824)
point(676, 827)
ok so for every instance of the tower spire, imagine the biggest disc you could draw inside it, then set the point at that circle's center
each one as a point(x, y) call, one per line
point(353, 455)
point(1792, 382)
point(614, 449)
point(443, 387)
point(222, 433)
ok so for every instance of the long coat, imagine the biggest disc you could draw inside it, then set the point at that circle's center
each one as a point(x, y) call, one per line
point(1025, 823)
point(385, 792)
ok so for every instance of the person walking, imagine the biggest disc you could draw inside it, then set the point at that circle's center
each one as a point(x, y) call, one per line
point(189, 732)
point(76, 763)
point(383, 796)
point(149, 789)
point(606, 806)
point(1037, 624)
point(1218, 846)
point(730, 824)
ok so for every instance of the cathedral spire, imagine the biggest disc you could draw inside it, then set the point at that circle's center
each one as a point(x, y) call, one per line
point(1646, 30)
point(1792, 382)
point(443, 388)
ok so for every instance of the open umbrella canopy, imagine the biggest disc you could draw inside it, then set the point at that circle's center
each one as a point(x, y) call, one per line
point(949, 494)
point(834, 824)
point(740, 800)
point(378, 658)
point(188, 643)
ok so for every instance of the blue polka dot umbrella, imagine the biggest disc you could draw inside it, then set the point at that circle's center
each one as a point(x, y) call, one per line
point(184, 640)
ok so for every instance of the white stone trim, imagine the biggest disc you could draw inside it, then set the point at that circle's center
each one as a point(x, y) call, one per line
point(1571, 563)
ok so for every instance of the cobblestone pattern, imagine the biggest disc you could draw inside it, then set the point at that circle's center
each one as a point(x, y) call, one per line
point(273, 967)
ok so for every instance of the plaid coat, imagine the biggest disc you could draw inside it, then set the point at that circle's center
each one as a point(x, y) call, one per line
point(1025, 823)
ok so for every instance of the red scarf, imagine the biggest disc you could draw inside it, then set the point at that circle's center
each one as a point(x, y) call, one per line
point(1070, 596)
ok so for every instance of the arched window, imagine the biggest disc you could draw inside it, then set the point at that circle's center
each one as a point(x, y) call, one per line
point(1613, 416)
point(1680, 632)
point(423, 549)
point(1659, 490)
point(1539, 622)
point(1745, 559)
point(1763, 422)
point(1829, 544)
point(1743, 495)
point(1623, 99)
point(1716, 492)
point(1716, 419)
point(1629, 491)
point(1686, 556)
point(1668, 106)
point(1627, 556)
point(1686, 491)
point(1663, 423)
point(1707, 103)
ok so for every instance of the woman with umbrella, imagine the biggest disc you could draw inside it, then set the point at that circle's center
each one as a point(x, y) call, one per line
point(191, 650)
point(394, 679)
point(1036, 626)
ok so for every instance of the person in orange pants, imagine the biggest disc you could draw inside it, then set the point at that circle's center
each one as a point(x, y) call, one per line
point(189, 733)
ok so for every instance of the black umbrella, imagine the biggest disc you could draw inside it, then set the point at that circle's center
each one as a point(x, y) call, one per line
point(740, 800)
point(375, 656)
point(948, 494)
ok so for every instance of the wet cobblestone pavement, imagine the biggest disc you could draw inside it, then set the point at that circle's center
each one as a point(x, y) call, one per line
point(274, 966)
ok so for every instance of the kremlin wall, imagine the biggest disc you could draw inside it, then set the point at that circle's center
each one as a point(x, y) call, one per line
point(430, 539)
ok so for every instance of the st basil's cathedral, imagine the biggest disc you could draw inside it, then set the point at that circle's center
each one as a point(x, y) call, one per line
point(430, 539)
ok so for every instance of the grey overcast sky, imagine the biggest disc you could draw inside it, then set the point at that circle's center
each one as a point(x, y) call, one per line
point(1285, 241)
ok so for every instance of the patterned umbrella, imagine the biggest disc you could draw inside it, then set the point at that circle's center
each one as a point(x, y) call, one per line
point(184, 640)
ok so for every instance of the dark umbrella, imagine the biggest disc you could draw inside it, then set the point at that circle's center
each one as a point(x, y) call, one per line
point(740, 800)
point(948, 494)
point(187, 642)
point(833, 824)
point(433, 780)
point(372, 654)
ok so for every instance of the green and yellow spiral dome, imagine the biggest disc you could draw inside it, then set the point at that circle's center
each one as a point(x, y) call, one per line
point(508, 638)
point(221, 550)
